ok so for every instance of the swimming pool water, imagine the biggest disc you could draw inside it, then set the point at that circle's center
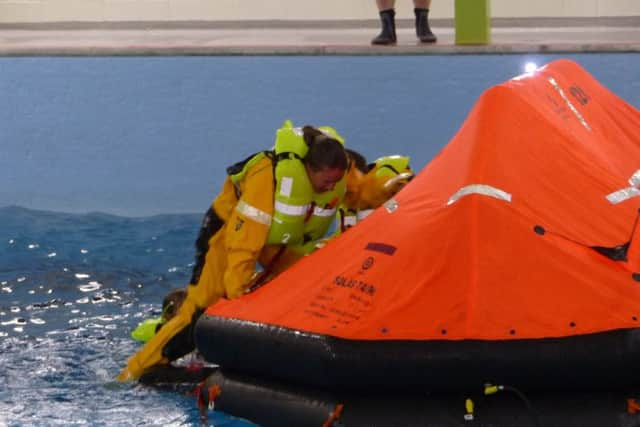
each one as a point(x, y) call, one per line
point(72, 287)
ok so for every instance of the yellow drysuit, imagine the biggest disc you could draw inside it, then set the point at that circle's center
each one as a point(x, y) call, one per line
point(230, 262)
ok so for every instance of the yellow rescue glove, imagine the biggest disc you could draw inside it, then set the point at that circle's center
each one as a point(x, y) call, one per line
point(146, 329)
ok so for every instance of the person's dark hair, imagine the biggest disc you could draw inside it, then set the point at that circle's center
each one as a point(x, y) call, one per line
point(357, 160)
point(324, 151)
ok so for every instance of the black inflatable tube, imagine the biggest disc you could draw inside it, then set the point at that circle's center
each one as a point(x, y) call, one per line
point(602, 361)
point(268, 403)
point(271, 404)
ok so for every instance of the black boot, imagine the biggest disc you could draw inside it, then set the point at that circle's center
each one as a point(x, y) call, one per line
point(388, 33)
point(422, 26)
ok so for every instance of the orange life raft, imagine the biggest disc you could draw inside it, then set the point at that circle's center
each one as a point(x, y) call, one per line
point(512, 258)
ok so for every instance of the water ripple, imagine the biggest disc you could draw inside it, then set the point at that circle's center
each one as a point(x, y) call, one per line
point(73, 289)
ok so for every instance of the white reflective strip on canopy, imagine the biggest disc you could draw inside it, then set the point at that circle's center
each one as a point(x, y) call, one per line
point(482, 189)
point(566, 99)
point(622, 195)
point(626, 193)
point(635, 179)
point(391, 205)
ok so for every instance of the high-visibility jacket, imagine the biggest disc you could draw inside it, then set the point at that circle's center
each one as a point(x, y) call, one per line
point(245, 234)
point(300, 216)
point(325, 207)
point(266, 202)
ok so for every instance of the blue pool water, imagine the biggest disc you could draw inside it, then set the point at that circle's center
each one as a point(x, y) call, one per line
point(148, 139)
point(71, 289)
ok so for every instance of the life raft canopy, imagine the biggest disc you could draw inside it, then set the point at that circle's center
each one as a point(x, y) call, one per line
point(485, 264)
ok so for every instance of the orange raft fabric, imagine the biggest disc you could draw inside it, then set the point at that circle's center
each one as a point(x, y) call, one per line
point(460, 258)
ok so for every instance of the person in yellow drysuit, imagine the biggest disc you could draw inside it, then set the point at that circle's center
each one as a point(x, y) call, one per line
point(272, 201)
point(371, 185)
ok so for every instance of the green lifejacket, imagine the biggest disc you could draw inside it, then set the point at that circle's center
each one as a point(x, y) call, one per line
point(292, 197)
point(325, 206)
point(391, 166)
point(294, 192)
point(323, 216)
point(300, 215)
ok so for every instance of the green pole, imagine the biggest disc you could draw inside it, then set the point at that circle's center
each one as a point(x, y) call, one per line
point(473, 22)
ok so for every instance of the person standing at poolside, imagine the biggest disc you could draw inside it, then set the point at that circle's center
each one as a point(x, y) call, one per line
point(387, 19)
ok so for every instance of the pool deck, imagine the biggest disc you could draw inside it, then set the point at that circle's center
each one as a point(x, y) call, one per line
point(532, 35)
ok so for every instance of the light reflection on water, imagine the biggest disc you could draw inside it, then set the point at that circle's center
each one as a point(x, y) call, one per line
point(65, 320)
